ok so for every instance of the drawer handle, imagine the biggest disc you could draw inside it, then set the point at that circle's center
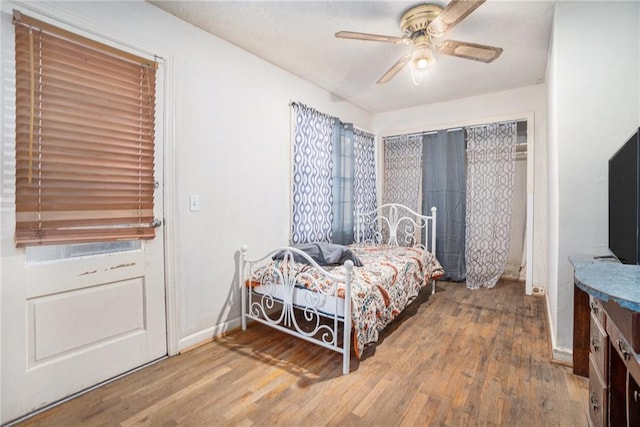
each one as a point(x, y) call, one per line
point(595, 344)
point(635, 395)
point(594, 307)
point(594, 401)
point(624, 349)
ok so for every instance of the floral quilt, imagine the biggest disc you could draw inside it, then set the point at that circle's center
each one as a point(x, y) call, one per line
point(390, 278)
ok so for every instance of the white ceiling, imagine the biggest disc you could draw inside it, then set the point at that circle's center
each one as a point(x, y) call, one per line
point(298, 36)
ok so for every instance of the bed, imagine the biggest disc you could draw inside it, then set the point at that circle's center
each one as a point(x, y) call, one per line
point(306, 290)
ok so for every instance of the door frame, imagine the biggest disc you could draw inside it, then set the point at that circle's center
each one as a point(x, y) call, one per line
point(59, 15)
point(170, 267)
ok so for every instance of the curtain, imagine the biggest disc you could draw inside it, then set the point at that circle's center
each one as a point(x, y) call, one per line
point(334, 173)
point(444, 186)
point(343, 181)
point(364, 182)
point(402, 174)
point(490, 176)
point(312, 181)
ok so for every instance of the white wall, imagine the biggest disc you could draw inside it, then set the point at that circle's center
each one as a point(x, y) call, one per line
point(594, 107)
point(231, 135)
point(510, 104)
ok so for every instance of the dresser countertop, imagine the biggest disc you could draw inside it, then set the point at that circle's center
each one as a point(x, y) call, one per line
point(608, 280)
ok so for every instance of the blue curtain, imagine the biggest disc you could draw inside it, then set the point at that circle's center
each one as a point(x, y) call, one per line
point(312, 182)
point(444, 186)
point(342, 188)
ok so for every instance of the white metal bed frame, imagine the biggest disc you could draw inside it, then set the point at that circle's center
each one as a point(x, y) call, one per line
point(370, 227)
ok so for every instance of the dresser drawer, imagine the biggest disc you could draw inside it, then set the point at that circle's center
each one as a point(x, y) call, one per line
point(597, 396)
point(598, 346)
point(622, 347)
point(595, 306)
point(633, 399)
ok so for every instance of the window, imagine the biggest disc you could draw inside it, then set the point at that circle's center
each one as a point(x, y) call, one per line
point(85, 115)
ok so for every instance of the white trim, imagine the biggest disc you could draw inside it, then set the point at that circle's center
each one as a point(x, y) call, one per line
point(2, 119)
point(531, 167)
point(170, 259)
point(560, 354)
point(207, 334)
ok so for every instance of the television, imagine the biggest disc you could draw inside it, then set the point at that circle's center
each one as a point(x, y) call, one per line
point(624, 201)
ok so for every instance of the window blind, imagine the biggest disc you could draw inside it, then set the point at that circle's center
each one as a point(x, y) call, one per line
point(85, 115)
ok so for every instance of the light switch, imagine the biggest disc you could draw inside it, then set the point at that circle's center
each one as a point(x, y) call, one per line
point(194, 203)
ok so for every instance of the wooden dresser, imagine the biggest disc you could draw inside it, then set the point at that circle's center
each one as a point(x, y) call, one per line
point(613, 342)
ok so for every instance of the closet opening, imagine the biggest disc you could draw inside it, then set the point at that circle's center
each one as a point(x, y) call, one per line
point(464, 169)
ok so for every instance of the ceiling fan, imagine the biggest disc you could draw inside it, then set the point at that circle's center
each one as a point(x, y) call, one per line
point(420, 25)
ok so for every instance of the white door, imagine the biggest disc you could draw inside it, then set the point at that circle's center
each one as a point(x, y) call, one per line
point(70, 324)
point(75, 315)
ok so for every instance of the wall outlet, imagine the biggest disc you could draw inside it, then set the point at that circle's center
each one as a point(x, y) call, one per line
point(194, 203)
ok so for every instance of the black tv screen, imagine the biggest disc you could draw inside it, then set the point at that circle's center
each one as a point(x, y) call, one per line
point(624, 202)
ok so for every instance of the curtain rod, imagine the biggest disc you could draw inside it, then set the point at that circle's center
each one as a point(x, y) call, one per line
point(497, 123)
point(423, 133)
point(299, 104)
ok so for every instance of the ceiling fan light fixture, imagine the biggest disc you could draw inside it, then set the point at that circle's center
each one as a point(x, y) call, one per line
point(421, 59)
point(422, 63)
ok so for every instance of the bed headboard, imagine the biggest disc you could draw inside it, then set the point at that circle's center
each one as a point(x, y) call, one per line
point(396, 225)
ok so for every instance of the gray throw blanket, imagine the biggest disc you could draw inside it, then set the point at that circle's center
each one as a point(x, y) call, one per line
point(324, 254)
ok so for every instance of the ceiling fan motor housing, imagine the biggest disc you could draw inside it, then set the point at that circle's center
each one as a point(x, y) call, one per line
point(417, 18)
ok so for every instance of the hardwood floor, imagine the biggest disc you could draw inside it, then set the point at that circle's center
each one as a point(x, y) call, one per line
point(455, 358)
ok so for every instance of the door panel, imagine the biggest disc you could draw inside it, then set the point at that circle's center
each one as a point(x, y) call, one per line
point(74, 321)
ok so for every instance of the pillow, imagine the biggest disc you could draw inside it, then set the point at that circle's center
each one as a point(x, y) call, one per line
point(323, 253)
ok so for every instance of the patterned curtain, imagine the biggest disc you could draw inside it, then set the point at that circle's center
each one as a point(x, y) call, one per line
point(402, 173)
point(364, 183)
point(490, 177)
point(334, 172)
point(312, 182)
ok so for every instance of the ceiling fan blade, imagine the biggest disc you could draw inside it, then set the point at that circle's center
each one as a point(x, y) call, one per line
point(370, 37)
point(391, 72)
point(474, 51)
point(455, 12)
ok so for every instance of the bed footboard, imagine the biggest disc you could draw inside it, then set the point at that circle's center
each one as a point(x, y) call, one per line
point(287, 295)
